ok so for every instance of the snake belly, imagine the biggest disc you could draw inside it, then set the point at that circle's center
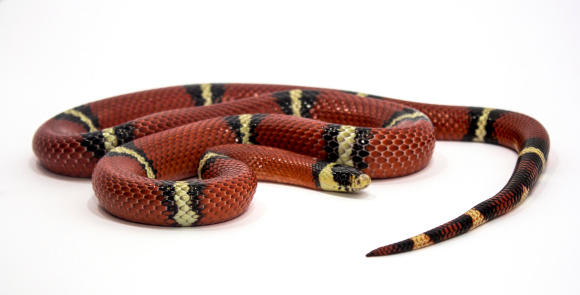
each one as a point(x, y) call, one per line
point(143, 148)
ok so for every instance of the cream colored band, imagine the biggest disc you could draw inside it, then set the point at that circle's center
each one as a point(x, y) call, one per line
point(421, 241)
point(477, 218)
point(525, 193)
point(142, 161)
point(296, 101)
point(346, 140)
point(245, 128)
point(206, 157)
point(185, 215)
point(480, 133)
point(111, 140)
point(404, 117)
point(83, 118)
point(534, 151)
point(206, 94)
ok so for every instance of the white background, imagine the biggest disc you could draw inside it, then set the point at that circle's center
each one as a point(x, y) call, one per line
point(518, 55)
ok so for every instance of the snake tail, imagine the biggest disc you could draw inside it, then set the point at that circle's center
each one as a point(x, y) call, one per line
point(517, 131)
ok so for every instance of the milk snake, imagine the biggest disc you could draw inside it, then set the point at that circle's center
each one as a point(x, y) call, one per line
point(140, 147)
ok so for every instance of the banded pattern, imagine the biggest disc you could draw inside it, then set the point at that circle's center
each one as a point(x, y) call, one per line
point(81, 115)
point(205, 94)
point(181, 198)
point(347, 145)
point(141, 145)
point(296, 102)
point(244, 126)
point(405, 115)
point(129, 150)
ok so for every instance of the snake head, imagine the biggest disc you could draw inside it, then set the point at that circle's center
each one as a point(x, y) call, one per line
point(341, 178)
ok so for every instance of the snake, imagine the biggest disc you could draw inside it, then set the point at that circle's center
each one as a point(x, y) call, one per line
point(192, 155)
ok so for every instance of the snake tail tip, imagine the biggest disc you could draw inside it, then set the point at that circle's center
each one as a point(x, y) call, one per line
point(395, 248)
point(378, 252)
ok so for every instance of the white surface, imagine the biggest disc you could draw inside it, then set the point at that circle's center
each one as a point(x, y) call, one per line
point(521, 56)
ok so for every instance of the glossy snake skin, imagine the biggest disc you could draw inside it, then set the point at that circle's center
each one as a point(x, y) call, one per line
point(140, 147)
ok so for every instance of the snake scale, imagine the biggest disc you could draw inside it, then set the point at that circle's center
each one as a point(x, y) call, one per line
point(143, 149)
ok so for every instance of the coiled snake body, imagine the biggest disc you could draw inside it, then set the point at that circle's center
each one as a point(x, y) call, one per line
point(139, 147)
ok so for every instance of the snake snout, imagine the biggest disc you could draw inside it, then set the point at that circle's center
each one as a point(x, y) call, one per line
point(361, 182)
